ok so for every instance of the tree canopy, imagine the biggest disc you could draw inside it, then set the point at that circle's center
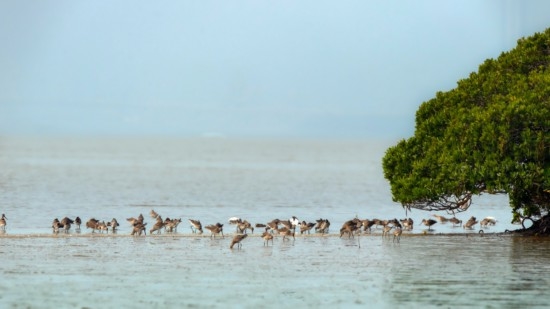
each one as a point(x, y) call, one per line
point(490, 134)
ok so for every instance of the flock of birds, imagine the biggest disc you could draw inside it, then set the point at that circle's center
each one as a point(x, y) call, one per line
point(487, 221)
point(285, 228)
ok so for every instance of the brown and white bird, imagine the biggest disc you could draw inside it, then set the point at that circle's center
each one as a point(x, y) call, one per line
point(3, 222)
point(195, 226)
point(322, 226)
point(397, 234)
point(386, 230)
point(349, 227)
point(441, 219)
point(488, 221)
point(243, 226)
point(133, 220)
point(158, 226)
point(114, 225)
point(237, 240)
point(102, 226)
point(367, 225)
point(407, 223)
point(138, 228)
point(171, 225)
point(153, 214)
point(215, 229)
point(273, 225)
point(92, 224)
point(284, 231)
point(428, 223)
point(306, 227)
point(455, 221)
point(267, 236)
point(56, 225)
point(78, 222)
point(470, 223)
point(66, 223)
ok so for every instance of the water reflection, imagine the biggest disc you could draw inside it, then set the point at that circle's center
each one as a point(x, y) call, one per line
point(468, 271)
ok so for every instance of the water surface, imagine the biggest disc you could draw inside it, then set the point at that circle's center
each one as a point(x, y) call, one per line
point(214, 179)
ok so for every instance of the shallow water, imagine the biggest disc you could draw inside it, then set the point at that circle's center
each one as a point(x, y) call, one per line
point(214, 179)
point(447, 271)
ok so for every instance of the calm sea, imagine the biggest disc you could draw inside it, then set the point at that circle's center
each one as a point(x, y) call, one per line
point(258, 180)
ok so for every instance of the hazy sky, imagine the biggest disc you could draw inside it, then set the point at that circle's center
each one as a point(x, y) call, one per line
point(323, 69)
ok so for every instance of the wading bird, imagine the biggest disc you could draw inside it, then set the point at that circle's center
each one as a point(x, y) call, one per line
point(195, 226)
point(237, 240)
point(428, 223)
point(455, 221)
point(215, 229)
point(470, 223)
point(3, 222)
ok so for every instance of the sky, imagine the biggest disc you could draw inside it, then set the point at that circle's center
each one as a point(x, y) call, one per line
point(298, 69)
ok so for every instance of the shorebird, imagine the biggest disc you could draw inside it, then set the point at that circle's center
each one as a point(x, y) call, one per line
point(243, 226)
point(470, 223)
point(306, 227)
point(167, 222)
point(234, 220)
point(78, 222)
point(171, 226)
point(284, 231)
point(273, 225)
point(114, 225)
point(56, 225)
point(158, 226)
point(195, 226)
point(215, 229)
point(367, 224)
point(237, 240)
point(138, 228)
point(386, 230)
point(455, 221)
point(440, 218)
point(66, 224)
point(397, 234)
point(267, 236)
point(92, 224)
point(358, 224)
point(322, 226)
point(174, 225)
point(488, 221)
point(378, 223)
point(349, 227)
point(428, 223)
point(287, 224)
point(133, 220)
point(153, 214)
point(384, 223)
point(3, 222)
point(102, 227)
point(407, 223)
point(394, 222)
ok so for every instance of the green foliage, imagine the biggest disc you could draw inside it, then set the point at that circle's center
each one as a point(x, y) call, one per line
point(491, 134)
